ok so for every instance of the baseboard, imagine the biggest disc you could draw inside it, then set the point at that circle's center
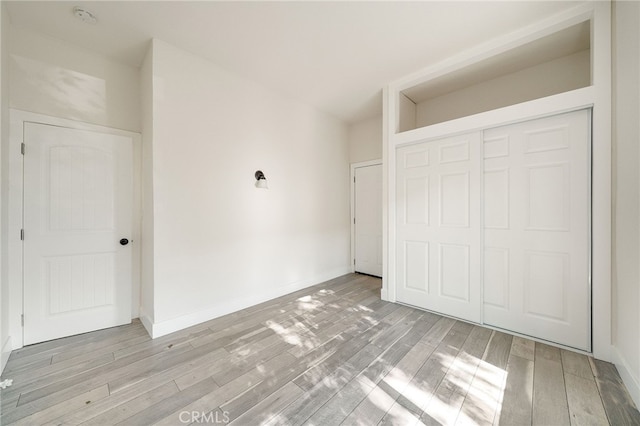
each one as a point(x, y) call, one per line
point(146, 321)
point(6, 351)
point(384, 294)
point(632, 383)
point(163, 328)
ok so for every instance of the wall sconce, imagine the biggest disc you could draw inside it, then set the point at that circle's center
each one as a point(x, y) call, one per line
point(261, 180)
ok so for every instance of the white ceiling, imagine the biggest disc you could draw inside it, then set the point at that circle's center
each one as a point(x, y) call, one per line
point(336, 56)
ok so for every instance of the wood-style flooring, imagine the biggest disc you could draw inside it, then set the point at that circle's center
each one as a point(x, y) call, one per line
point(330, 354)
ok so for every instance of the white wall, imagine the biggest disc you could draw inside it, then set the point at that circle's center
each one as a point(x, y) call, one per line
point(626, 132)
point(365, 140)
point(54, 78)
point(221, 244)
point(5, 343)
point(570, 72)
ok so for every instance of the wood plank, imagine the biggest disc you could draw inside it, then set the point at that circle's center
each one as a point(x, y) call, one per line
point(169, 405)
point(468, 362)
point(484, 398)
point(549, 395)
point(547, 352)
point(38, 378)
point(576, 364)
point(237, 387)
point(517, 403)
point(336, 408)
point(372, 408)
point(618, 405)
point(131, 392)
point(326, 378)
point(438, 332)
point(269, 407)
point(399, 415)
point(54, 393)
point(124, 411)
point(427, 379)
point(28, 354)
point(585, 405)
point(316, 397)
point(33, 413)
point(450, 394)
point(523, 348)
point(498, 350)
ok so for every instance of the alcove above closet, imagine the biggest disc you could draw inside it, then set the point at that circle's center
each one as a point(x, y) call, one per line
point(553, 64)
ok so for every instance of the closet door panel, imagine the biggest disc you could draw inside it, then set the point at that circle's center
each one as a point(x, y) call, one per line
point(536, 209)
point(438, 225)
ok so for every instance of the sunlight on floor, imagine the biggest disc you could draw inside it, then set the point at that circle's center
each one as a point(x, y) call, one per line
point(471, 389)
point(451, 387)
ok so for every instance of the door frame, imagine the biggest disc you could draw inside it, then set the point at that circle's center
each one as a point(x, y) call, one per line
point(15, 256)
point(352, 177)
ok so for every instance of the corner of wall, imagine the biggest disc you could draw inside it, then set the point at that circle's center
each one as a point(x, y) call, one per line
point(5, 337)
point(631, 382)
point(146, 309)
point(6, 351)
point(147, 322)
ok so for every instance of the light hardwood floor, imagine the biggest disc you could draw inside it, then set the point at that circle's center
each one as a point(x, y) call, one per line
point(331, 354)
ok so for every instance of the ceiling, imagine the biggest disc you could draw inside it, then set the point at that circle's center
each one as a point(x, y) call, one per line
point(336, 56)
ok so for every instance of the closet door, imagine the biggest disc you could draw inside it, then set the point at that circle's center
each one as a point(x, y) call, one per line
point(536, 228)
point(438, 226)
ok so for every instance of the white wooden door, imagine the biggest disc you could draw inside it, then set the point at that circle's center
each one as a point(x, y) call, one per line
point(536, 228)
point(438, 226)
point(368, 219)
point(77, 208)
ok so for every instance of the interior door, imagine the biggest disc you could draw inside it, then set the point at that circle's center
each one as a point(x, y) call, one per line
point(438, 226)
point(536, 228)
point(77, 222)
point(368, 219)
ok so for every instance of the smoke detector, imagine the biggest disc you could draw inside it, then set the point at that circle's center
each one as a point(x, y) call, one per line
point(84, 15)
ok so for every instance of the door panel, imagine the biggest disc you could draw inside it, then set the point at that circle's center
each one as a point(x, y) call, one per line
point(536, 228)
point(368, 219)
point(77, 206)
point(438, 228)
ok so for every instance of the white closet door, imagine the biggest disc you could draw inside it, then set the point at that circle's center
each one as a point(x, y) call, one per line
point(536, 228)
point(438, 226)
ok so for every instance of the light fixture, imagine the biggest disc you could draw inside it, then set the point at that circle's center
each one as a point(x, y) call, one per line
point(261, 180)
point(84, 15)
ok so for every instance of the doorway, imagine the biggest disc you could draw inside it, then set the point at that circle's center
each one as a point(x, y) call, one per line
point(367, 218)
point(77, 231)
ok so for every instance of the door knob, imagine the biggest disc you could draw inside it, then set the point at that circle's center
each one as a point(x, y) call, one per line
point(124, 242)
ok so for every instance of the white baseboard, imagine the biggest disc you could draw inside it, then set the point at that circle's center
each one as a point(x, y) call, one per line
point(146, 321)
point(163, 328)
point(6, 351)
point(632, 383)
point(384, 295)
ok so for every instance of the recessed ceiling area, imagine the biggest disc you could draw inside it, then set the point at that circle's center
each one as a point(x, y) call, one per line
point(336, 56)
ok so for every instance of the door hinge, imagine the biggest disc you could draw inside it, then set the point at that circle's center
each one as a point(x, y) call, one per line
point(354, 220)
point(22, 319)
point(354, 178)
point(22, 235)
point(354, 262)
point(22, 148)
